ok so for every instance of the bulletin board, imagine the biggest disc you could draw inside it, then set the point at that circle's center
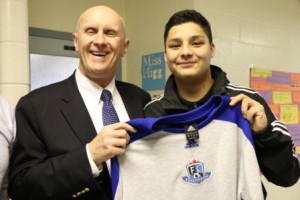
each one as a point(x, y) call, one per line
point(281, 90)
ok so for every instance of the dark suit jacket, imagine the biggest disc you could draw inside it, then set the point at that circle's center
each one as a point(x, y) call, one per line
point(49, 160)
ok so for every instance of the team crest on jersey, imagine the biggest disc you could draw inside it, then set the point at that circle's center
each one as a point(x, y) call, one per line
point(196, 173)
point(191, 144)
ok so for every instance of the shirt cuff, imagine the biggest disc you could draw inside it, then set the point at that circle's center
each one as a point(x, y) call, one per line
point(96, 170)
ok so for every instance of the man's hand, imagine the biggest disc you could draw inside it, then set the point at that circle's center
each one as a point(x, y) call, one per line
point(111, 141)
point(253, 111)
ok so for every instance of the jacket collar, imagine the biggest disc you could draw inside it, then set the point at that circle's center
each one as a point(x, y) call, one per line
point(172, 100)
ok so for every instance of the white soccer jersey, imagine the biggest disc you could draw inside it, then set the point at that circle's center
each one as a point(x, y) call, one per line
point(161, 164)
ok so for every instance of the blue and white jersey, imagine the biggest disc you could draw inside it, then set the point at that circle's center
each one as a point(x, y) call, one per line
point(161, 164)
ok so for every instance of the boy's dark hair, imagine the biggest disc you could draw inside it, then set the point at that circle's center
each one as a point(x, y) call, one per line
point(188, 16)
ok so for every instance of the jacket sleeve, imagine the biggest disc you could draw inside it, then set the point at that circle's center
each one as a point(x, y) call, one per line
point(276, 151)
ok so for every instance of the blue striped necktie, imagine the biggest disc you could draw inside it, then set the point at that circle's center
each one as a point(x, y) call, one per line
point(109, 114)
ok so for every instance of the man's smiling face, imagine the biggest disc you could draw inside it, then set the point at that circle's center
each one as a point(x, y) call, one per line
point(100, 41)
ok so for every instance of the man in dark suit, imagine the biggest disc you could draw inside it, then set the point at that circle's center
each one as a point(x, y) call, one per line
point(58, 153)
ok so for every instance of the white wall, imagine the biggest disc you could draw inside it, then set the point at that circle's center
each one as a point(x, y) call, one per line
point(62, 15)
point(14, 61)
point(145, 25)
point(254, 33)
point(246, 33)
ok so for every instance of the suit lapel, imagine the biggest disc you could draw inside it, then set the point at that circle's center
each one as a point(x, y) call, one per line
point(75, 112)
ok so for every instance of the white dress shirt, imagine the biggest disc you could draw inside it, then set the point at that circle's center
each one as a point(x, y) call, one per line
point(7, 138)
point(91, 93)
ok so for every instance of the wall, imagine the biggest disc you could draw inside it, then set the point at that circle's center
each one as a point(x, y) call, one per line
point(14, 62)
point(246, 33)
point(62, 15)
point(146, 30)
point(256, 33)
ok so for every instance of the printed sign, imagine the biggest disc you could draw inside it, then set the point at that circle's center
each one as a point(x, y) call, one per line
point(153, 71)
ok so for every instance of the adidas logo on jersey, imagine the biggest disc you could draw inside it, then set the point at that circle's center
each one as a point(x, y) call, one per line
point(191, 144)
point(191, 128)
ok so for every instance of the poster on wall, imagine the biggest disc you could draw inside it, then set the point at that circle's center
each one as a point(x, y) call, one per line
point(281, 90)
point(153, 71)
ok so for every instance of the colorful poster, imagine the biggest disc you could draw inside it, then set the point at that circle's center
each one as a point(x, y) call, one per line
point(153, 71)
point(281, 90)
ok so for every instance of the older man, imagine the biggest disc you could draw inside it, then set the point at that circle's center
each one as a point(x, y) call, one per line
point(63, 148)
